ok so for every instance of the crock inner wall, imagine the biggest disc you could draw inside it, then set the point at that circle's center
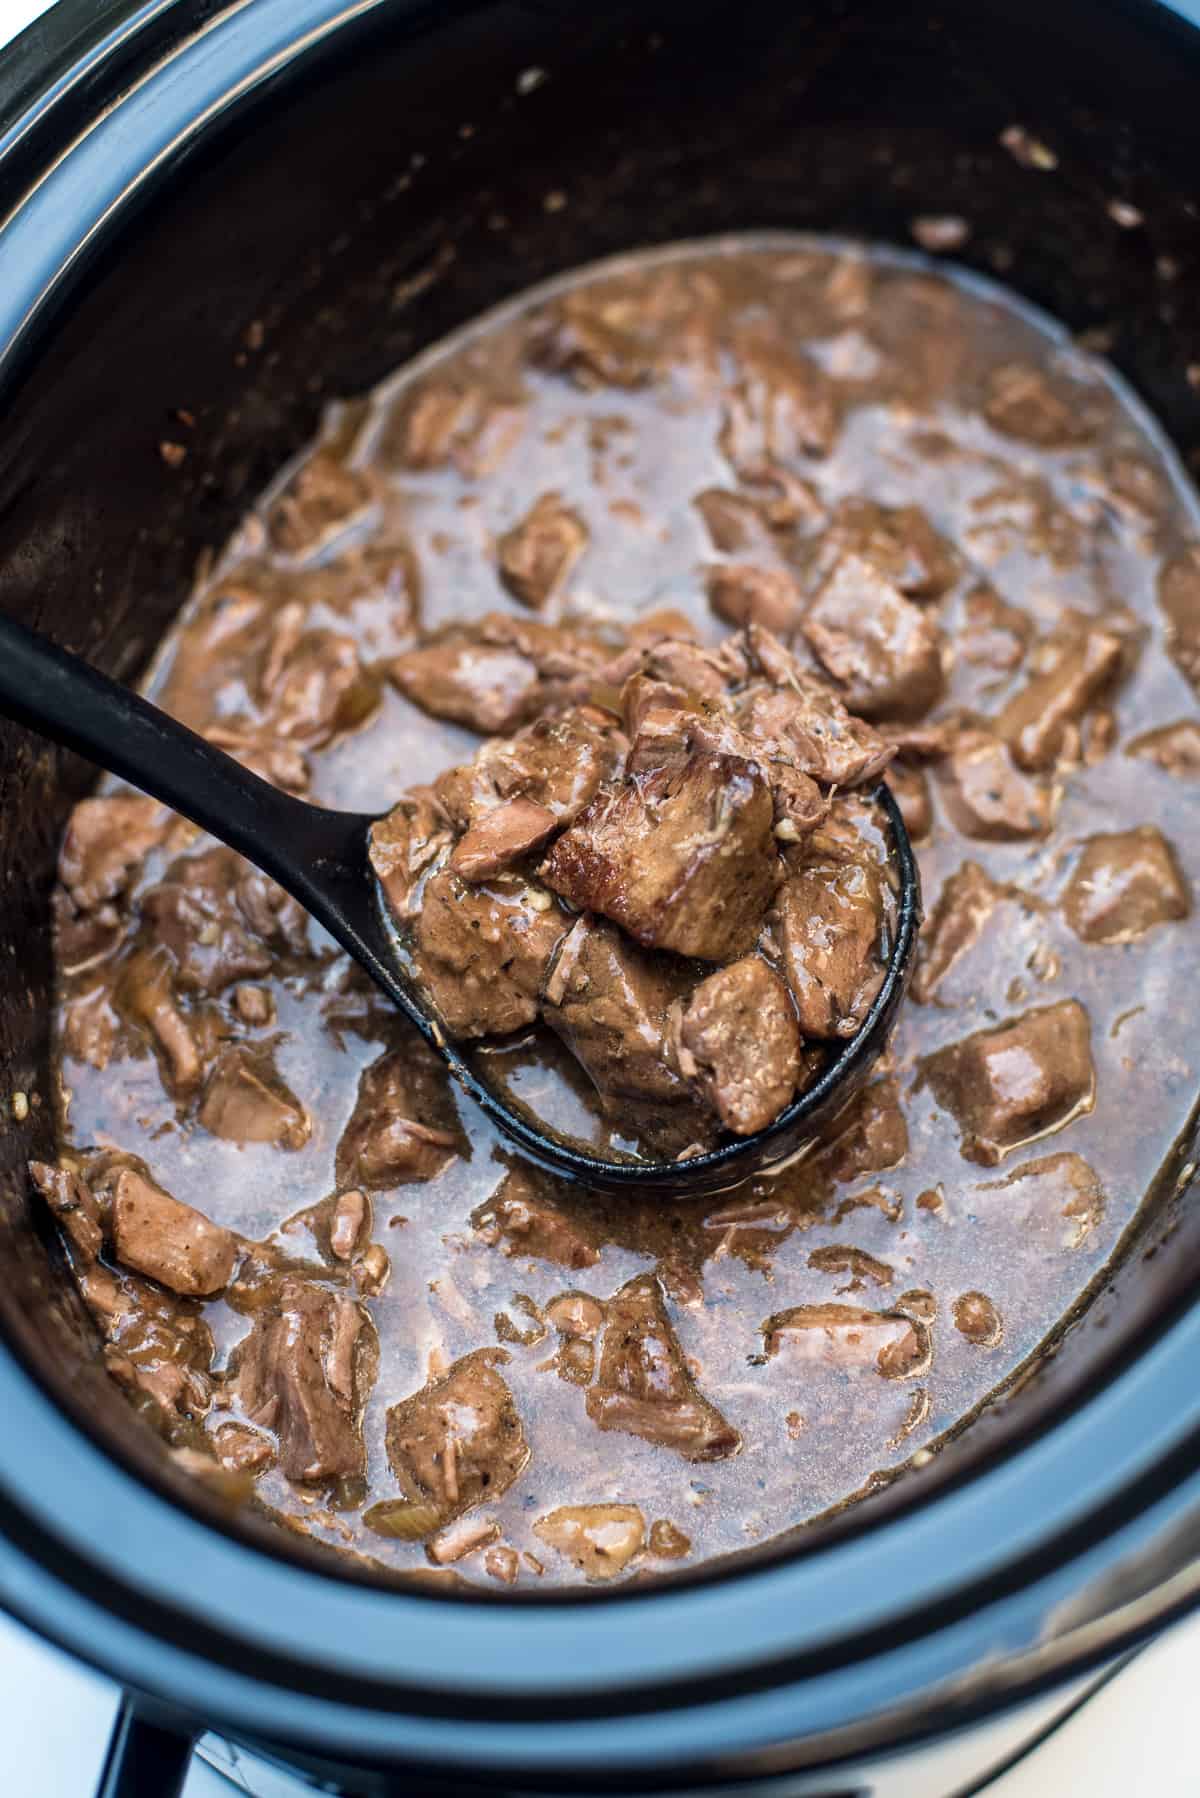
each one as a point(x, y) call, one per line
point(403, 179)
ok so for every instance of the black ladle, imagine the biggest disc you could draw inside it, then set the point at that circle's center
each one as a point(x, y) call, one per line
point(320, 857)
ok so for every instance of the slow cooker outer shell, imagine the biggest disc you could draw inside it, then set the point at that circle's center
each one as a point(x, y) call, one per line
point(357, 180)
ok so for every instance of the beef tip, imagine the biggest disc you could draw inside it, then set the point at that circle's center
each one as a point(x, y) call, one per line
point(75, 1207)
point(735, 524)
point(304, 1371)
point(738, 1038)
point(155, 1342)
point(683, 859)
point(239, 1449)
point(1123, 884)
point(169, 1241)
point(965, 903)
point(558, 763)
point(1175, 748)
point(496, 672)
point(279, 764)
point(312, 686)
point(458, 1441)
point(881, 647)
point(106, 843)
point(600, 1539)
point(349, 1223)
point(898, 542)
point(440, 421)
point(254, 1005)
point(318, 501)
point(538, 554)
point(619, 332)
point(868, 1137)
point(994, 634)
point(1022, 402)
point(609, 1001)
point(910, 789)
point(529, 1214)
point(145, 994)
point(743, 593)
point(889, 1342)
point(405, 845)
point(404, 1126)
point(217, 917)
point(830, 925)
point(782, 407)
point(244, 1100)
point(987, 795)
point(1070, 672)
point(483, 951)
point(502, 837)
point(1023, 1079)
point(84, 939)
point(643, 1387)
point(89, 1026)
point(796, 719)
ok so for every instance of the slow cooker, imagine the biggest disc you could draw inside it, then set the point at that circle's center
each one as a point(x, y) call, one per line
point(353, 178)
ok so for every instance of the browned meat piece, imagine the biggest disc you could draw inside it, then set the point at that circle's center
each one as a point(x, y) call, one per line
point(609, 1001)
point(84, 939)
point(245, 1101)
point(106, 842)
point(496, 672)
point(312, 686)
point(74, 1205)
point(524, 1217)
point(169, 1241)
point(405, 845)
point(304, 1371)
point(889, 1342)
point(221, 919)
point(619, 332)
point(538, 554)
point(483, 952)
point(404, 1126)
point(279, 764)
point(600, 1539)
point(869, 1136)
point(910, 790)
point(994, 634)
point(319, 500)
point(987, 795)
point(739, 1039)
point(145, 994)
point(782, 407)
point(502, 837)
point(459, 1440)
point(558, 763)
point(683, 859)
point(440, 420)
point(1022, 403)
point(830, 932)
point(88, 1027)
point(1071, 672)
point(881, 647)
point(349, 1223)
point(899, 543)
point(240, 1449)
point(155, 1342)
point(797, 719)
point(644, 1389)
point(254, 1005)
point(1124, 884)
point(965, 903)
point(742, 593)
point(1175, 748)
point(1008, 1086)
point(735, 524)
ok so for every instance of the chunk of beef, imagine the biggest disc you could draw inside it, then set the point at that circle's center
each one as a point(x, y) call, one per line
point(145, 994)
point(1123, 884)
point(683, 859)
point(83, 940)
point(538, 554)
point(780, 408)
point(558, 763)
point(279, 764)
point(830, 921)
point(965, 903)
point(304, 1371)
point(88, 1027)
point(868, 1137)
point(1021, 401)
point(1019, 1081)
point(1071, 671)
point(644, 1388)
point(797, 719)
point(987, 795)
point(898, 542)
point(738, 1038)
point(743, 593)
point(882, 648)
point(458, 1441)
point(404, 846)
point(349, 1224)
point(106, 843)
point(221, 920)
point(735, 524)
point(312, 687)
point(244, 1100)
point(442, 420)
point(600, 1539)
point(483, 951)
point(889, 1342)
point(169, 1241)
point(404, 1126)
point(318, 501)
point(496, 672)
point(155, 1342)
point(621, 331)
point(530, 1215)
point(501, 838)
point(610, 1001)
point(75, 1207)
point(1175, 748)
point(239, 1449)
point(994, 634)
